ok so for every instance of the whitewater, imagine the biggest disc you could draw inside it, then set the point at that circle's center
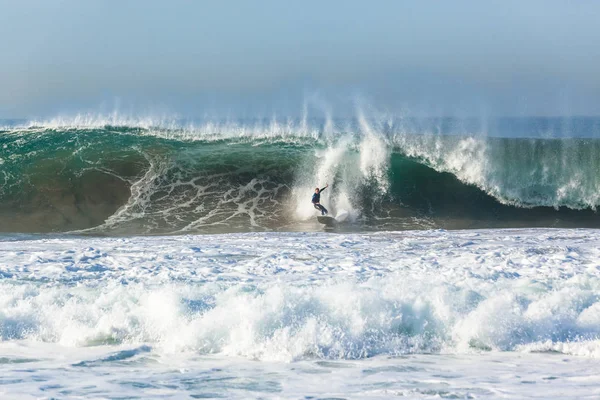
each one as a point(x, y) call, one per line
point(422, 314)
point(144, 258)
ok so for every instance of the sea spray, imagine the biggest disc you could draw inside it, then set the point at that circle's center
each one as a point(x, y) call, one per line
point(103, 176)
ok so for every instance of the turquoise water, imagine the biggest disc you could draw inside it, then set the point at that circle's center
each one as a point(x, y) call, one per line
point(228, 177)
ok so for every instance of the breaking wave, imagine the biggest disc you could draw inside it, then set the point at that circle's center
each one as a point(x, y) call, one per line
point(293, 296)
point(147, 176)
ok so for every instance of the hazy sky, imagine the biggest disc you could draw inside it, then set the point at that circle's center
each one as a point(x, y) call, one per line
point(252, 58)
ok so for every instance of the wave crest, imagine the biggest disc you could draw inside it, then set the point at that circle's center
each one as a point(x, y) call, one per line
point(151, 178)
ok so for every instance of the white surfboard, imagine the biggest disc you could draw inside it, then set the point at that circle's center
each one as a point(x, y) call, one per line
point(331, 221)
point(326, 220)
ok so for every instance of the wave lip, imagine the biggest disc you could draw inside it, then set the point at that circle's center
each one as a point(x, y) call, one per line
point(154, 178)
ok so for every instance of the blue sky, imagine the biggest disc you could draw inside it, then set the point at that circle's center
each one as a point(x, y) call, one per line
point(248, 58)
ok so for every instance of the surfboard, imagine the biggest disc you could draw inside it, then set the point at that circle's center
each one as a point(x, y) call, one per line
point(326, 220)
point(331, 221)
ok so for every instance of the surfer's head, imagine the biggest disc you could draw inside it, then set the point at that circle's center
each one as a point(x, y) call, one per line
point(316, 190)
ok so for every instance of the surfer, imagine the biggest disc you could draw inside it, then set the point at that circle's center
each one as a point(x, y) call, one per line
point(316, 200)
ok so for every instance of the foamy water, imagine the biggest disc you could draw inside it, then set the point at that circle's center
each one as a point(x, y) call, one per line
point(462, 314)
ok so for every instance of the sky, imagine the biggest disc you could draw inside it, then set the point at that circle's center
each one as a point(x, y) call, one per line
point(258, 58)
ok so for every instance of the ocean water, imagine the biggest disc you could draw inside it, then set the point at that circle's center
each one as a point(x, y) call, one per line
point(113, 176)
point(146, 259)
point(422, 314)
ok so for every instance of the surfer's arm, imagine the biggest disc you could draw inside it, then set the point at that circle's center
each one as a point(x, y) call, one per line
point(326, 186)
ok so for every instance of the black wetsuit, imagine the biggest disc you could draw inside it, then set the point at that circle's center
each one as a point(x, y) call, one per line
point(316, 199)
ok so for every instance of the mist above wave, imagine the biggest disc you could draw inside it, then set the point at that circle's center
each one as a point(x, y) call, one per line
point(121, 175)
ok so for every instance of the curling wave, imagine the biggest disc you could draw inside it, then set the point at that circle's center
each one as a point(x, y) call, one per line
point(148, 177)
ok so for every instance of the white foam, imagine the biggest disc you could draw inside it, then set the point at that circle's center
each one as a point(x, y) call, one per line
point(374, 155)
point(349, 167)
point(486, 303)
point(291, 296)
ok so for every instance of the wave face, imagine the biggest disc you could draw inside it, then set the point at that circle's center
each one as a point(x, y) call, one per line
point(115, 177)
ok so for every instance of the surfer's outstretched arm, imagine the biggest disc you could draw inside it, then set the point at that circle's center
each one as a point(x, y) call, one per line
point(326, 186)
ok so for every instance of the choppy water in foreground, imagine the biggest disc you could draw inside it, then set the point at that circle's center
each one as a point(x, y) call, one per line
point(424, 314)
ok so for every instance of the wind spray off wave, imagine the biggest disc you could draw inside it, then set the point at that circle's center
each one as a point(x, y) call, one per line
point(147, 177)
